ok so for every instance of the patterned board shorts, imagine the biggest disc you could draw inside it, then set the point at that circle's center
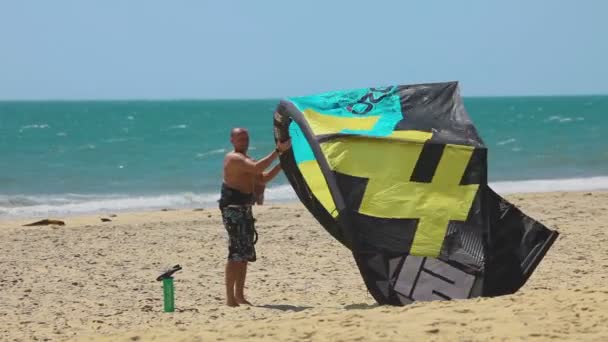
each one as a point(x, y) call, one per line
point(240, 225)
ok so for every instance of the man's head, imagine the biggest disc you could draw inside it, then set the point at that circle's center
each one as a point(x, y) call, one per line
point(239, 137)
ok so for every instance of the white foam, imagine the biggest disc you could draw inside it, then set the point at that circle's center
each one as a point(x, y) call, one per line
point(33, 126)
point(182, 126)
point(216, 151)
point(280, 193)
point(87, 147)
point(550, 185)
point(558, 119)
point(73, 204)
point(114, 140)
point(508, 141)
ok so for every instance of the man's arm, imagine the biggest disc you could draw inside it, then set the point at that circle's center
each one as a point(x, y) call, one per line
point(259, 166)
point(258, 189)
point(260, 181)
point(268, 176)
point(251, 166)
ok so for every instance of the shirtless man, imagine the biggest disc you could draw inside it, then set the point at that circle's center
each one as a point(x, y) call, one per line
point(243, 185)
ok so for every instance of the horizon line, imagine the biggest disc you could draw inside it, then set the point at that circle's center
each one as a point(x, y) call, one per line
point(260, 98)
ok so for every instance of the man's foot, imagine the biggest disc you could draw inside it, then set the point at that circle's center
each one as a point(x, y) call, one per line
point(232, 303)
point(242, 301)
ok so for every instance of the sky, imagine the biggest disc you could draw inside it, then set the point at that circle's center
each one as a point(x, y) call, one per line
point(132, 49)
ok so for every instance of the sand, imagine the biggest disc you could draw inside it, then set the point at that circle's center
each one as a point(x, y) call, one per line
point(95, 281)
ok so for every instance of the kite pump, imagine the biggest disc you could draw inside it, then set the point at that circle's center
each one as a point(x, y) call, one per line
point(169, 295)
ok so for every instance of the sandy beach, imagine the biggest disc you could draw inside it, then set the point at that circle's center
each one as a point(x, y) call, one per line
point(95, 281)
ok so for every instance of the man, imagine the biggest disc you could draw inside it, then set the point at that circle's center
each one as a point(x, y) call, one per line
point(244, 182)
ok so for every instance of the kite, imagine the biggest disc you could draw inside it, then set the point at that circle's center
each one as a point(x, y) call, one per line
point(398, 175)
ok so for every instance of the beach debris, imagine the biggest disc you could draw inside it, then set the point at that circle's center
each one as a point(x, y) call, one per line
point(199, 209)
point(112, 215)
point(104, 219)
point(45, 222)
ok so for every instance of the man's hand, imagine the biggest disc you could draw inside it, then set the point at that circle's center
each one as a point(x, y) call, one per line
point(284, 146)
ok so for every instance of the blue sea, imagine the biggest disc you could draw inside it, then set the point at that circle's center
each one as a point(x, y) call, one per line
point(73, 157)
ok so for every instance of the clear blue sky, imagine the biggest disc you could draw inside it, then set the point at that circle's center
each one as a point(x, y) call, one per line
point(125, 49)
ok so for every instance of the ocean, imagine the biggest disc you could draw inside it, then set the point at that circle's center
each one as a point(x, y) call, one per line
point(75, 157)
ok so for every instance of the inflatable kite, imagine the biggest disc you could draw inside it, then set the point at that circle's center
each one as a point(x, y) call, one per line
point(398, 175)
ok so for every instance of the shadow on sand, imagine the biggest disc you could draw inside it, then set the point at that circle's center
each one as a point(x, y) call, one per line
point(287, 307)
point(284, 307)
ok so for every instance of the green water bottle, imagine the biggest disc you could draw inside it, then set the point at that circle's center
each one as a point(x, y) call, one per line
point(168, 291)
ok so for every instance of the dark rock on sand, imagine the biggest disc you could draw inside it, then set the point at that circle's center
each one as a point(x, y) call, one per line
point(45, 222)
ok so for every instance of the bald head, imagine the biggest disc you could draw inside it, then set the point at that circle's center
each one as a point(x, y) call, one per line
point(237, 130)
point(239, 137)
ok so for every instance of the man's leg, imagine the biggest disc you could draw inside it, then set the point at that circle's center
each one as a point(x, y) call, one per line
point(232, 265)
point(239, 293)
point(232, 274)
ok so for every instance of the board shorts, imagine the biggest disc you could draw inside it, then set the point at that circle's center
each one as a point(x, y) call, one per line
point(240, 226)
